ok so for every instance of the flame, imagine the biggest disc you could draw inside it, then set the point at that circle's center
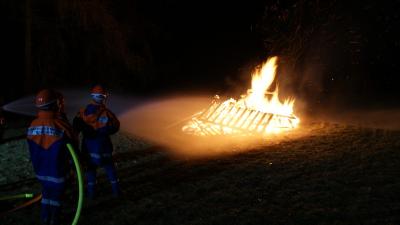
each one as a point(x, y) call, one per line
point(261, 81)
point(258, 111)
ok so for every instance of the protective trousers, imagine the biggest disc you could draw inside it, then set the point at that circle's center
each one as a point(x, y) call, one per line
point(111, 175)
point(52, 194)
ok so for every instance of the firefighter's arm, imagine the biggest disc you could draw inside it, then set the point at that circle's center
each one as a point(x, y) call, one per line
point(70, 134)
point(113, 123)
point(80, 125)
point(77, 123)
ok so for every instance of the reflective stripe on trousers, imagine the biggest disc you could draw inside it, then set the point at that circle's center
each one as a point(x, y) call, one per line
point(46, 201)
point(57, 180)
point(99, 156)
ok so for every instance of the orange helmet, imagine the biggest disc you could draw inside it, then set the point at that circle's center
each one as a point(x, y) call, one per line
point(98, 89)
point(46, 99)
point(98, 93)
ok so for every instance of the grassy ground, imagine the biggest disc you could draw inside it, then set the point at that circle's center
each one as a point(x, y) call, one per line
point(335, 175)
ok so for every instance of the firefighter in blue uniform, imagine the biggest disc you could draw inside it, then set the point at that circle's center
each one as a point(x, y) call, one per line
point(97, 123)
point(47, 138)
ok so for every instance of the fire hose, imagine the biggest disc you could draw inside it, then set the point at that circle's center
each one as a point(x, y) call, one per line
point(26, 195)
point(38, 197)
point(80, 183)
point(23, 205)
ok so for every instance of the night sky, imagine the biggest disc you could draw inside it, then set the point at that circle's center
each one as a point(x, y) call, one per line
point(332, 53)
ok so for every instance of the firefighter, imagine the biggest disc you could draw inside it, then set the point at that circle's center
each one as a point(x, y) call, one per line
point(97, 123)
point(47, 138)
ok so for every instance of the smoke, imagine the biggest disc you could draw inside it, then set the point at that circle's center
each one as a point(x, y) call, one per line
point(388, 119)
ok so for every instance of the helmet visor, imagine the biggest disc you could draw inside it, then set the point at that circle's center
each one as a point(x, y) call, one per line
point(99, 98)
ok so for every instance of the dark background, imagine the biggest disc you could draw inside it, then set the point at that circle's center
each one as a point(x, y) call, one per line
point(332, 53)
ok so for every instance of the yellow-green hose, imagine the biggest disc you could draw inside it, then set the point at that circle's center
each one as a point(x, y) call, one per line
point(80, 183)
point(23, 205)
point(26, 195)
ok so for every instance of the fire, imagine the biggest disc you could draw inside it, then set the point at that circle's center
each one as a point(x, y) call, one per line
point(259, 111)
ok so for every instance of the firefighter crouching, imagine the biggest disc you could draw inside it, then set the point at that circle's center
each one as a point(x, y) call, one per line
point(47, 138)
point(97, 123)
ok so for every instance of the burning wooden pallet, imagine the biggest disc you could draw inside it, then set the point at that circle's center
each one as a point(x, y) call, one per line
point(229, 117)
point(259, 111)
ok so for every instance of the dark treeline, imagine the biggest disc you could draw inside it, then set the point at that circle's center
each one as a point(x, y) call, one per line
point(331, 52)
point(137, 46)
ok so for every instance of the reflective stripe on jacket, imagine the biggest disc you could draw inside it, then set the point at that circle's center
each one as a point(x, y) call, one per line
point(47, 137)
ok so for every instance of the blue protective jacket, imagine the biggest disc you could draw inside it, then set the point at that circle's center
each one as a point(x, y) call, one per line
point(47, 138)
point(96, 123)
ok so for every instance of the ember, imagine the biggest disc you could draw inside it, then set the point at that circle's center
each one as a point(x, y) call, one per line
point(257, 112)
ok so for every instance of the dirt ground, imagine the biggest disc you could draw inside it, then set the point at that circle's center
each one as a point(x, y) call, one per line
point(336, 174)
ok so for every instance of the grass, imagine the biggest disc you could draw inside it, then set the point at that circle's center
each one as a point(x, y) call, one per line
point(336, 174)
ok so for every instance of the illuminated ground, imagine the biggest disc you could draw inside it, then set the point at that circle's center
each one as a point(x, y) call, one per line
point(335, 175)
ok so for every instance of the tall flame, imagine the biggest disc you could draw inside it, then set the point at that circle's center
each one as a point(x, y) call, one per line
point(262, 79)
